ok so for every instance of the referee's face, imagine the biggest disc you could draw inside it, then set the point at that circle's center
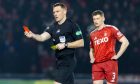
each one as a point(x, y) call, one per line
point(59, 13)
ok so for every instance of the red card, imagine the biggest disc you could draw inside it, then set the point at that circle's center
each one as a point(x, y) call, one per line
point(26, 29)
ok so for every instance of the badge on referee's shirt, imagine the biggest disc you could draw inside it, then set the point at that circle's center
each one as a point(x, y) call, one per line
point(62, 39)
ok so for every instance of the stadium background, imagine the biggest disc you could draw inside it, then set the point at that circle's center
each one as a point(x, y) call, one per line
point(25, 61)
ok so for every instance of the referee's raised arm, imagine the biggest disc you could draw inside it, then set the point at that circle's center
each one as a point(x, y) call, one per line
point(39, 37)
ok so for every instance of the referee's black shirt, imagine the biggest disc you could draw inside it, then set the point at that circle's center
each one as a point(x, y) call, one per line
point(66, 32)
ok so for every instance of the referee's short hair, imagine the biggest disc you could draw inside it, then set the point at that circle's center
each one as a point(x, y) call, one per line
point(98, 12)
point(62, 5)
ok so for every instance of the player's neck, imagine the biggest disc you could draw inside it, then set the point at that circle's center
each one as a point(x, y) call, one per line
point(101, 27)
point(62, 21)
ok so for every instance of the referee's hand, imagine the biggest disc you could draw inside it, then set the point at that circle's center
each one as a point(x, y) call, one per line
point(92, 60)
point(28, 34)
point(60, 46)
point(115, 57)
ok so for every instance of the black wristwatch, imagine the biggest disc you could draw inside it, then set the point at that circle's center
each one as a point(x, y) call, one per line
point(66, 45)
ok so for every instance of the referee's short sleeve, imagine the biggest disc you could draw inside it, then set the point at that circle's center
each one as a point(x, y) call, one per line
point(76, 32)
point(48, 29)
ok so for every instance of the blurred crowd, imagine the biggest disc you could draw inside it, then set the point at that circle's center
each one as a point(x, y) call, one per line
point(19, 54)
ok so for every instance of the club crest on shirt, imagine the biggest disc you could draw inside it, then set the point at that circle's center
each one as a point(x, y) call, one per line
point(62, 39)
point(105, 34)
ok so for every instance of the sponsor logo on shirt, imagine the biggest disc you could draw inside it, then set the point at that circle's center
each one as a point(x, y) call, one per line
point(101, 40)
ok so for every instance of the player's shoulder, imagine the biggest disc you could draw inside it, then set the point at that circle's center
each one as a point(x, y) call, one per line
point(93, 31)
point(111, 27)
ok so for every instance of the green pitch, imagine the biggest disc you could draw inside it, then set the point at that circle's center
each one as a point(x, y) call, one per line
point(26, 82)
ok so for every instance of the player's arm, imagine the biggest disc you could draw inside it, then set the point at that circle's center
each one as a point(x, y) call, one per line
point(39, 37)
point(91, 55)
point(124, 45)
point(76, 44)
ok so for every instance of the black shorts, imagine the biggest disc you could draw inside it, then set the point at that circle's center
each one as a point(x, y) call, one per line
point(64, 69)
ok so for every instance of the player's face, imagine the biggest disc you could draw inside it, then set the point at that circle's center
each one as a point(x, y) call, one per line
point(98, 20)
point(59, 13)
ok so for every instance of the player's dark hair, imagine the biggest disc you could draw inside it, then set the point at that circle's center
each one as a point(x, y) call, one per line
point(98, 12)
point(62, 5)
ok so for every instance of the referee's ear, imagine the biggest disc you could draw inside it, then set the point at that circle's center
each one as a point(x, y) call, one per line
point(103, 18)
point(65, 11)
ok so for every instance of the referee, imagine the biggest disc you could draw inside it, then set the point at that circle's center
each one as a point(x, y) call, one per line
point(67, 36)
